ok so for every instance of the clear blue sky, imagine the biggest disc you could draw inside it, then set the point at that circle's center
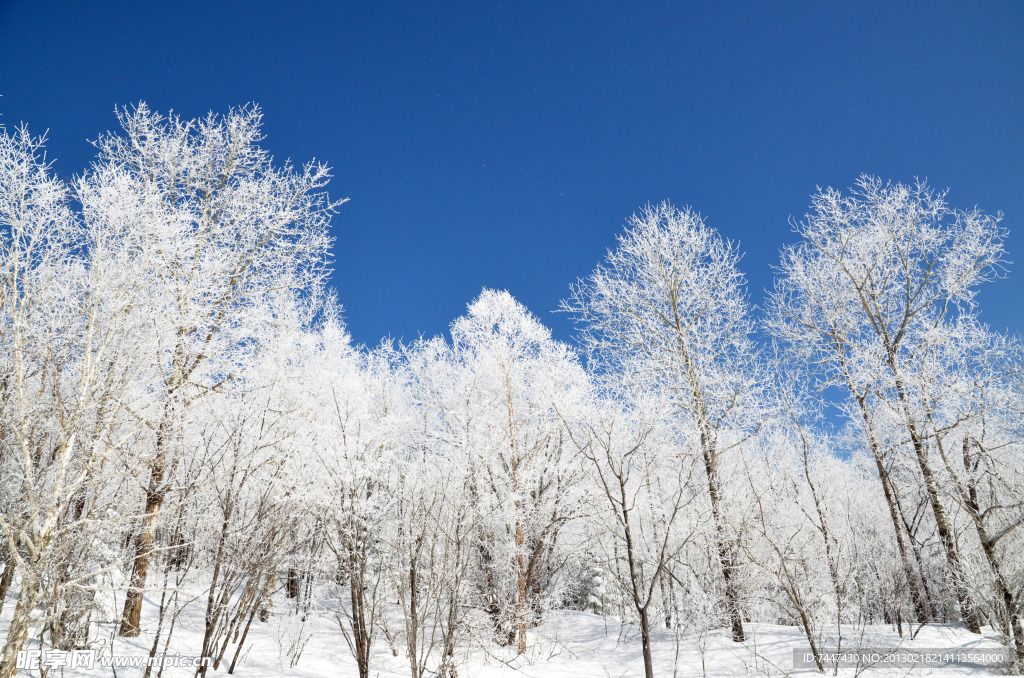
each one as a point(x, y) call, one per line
point(504, 144)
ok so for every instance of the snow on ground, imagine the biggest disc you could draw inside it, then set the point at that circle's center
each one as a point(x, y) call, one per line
point(568, 645)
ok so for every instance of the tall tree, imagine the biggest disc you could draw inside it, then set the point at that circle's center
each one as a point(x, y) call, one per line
point(70, 351)
point(526, 481)
point(212, 227)
point(879, 270)
point(644, 496)
point(669, 303)
point(968, 397)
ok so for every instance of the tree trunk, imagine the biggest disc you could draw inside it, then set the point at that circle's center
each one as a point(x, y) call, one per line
point(131, 618)
point(5, 580)
point(725, 556)
point(963, 598)
point(809, 633)
point(920, 604)
point(447, 667)
point(215, 608)
point(359, 631)
point(292, 583)
point(17, 631)
point(413, 621)
point(826, 536)
point(521, 589)
point(635, 583)
point(1014, 629)
point(645, 636)
point(361, 640)
point(665, 600)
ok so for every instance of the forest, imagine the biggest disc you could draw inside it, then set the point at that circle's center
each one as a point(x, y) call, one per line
point(189, 438)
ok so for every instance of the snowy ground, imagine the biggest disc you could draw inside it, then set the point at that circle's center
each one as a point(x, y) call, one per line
point(568, 645)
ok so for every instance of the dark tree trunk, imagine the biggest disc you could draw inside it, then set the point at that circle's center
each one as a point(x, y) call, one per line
point(5, 580)
point(131, 618)
point(726, 557)
point(946, 536)
point(645, 635)
point(918, 599)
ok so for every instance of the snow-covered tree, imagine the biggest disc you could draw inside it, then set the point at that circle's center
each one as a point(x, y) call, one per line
point(71, 351)
point(669, 305)
point(524, 479)
point(210, 226)
point(644, 499)
point(882, 271)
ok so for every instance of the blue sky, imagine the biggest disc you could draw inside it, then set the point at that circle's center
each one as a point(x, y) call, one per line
point(504, 144)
